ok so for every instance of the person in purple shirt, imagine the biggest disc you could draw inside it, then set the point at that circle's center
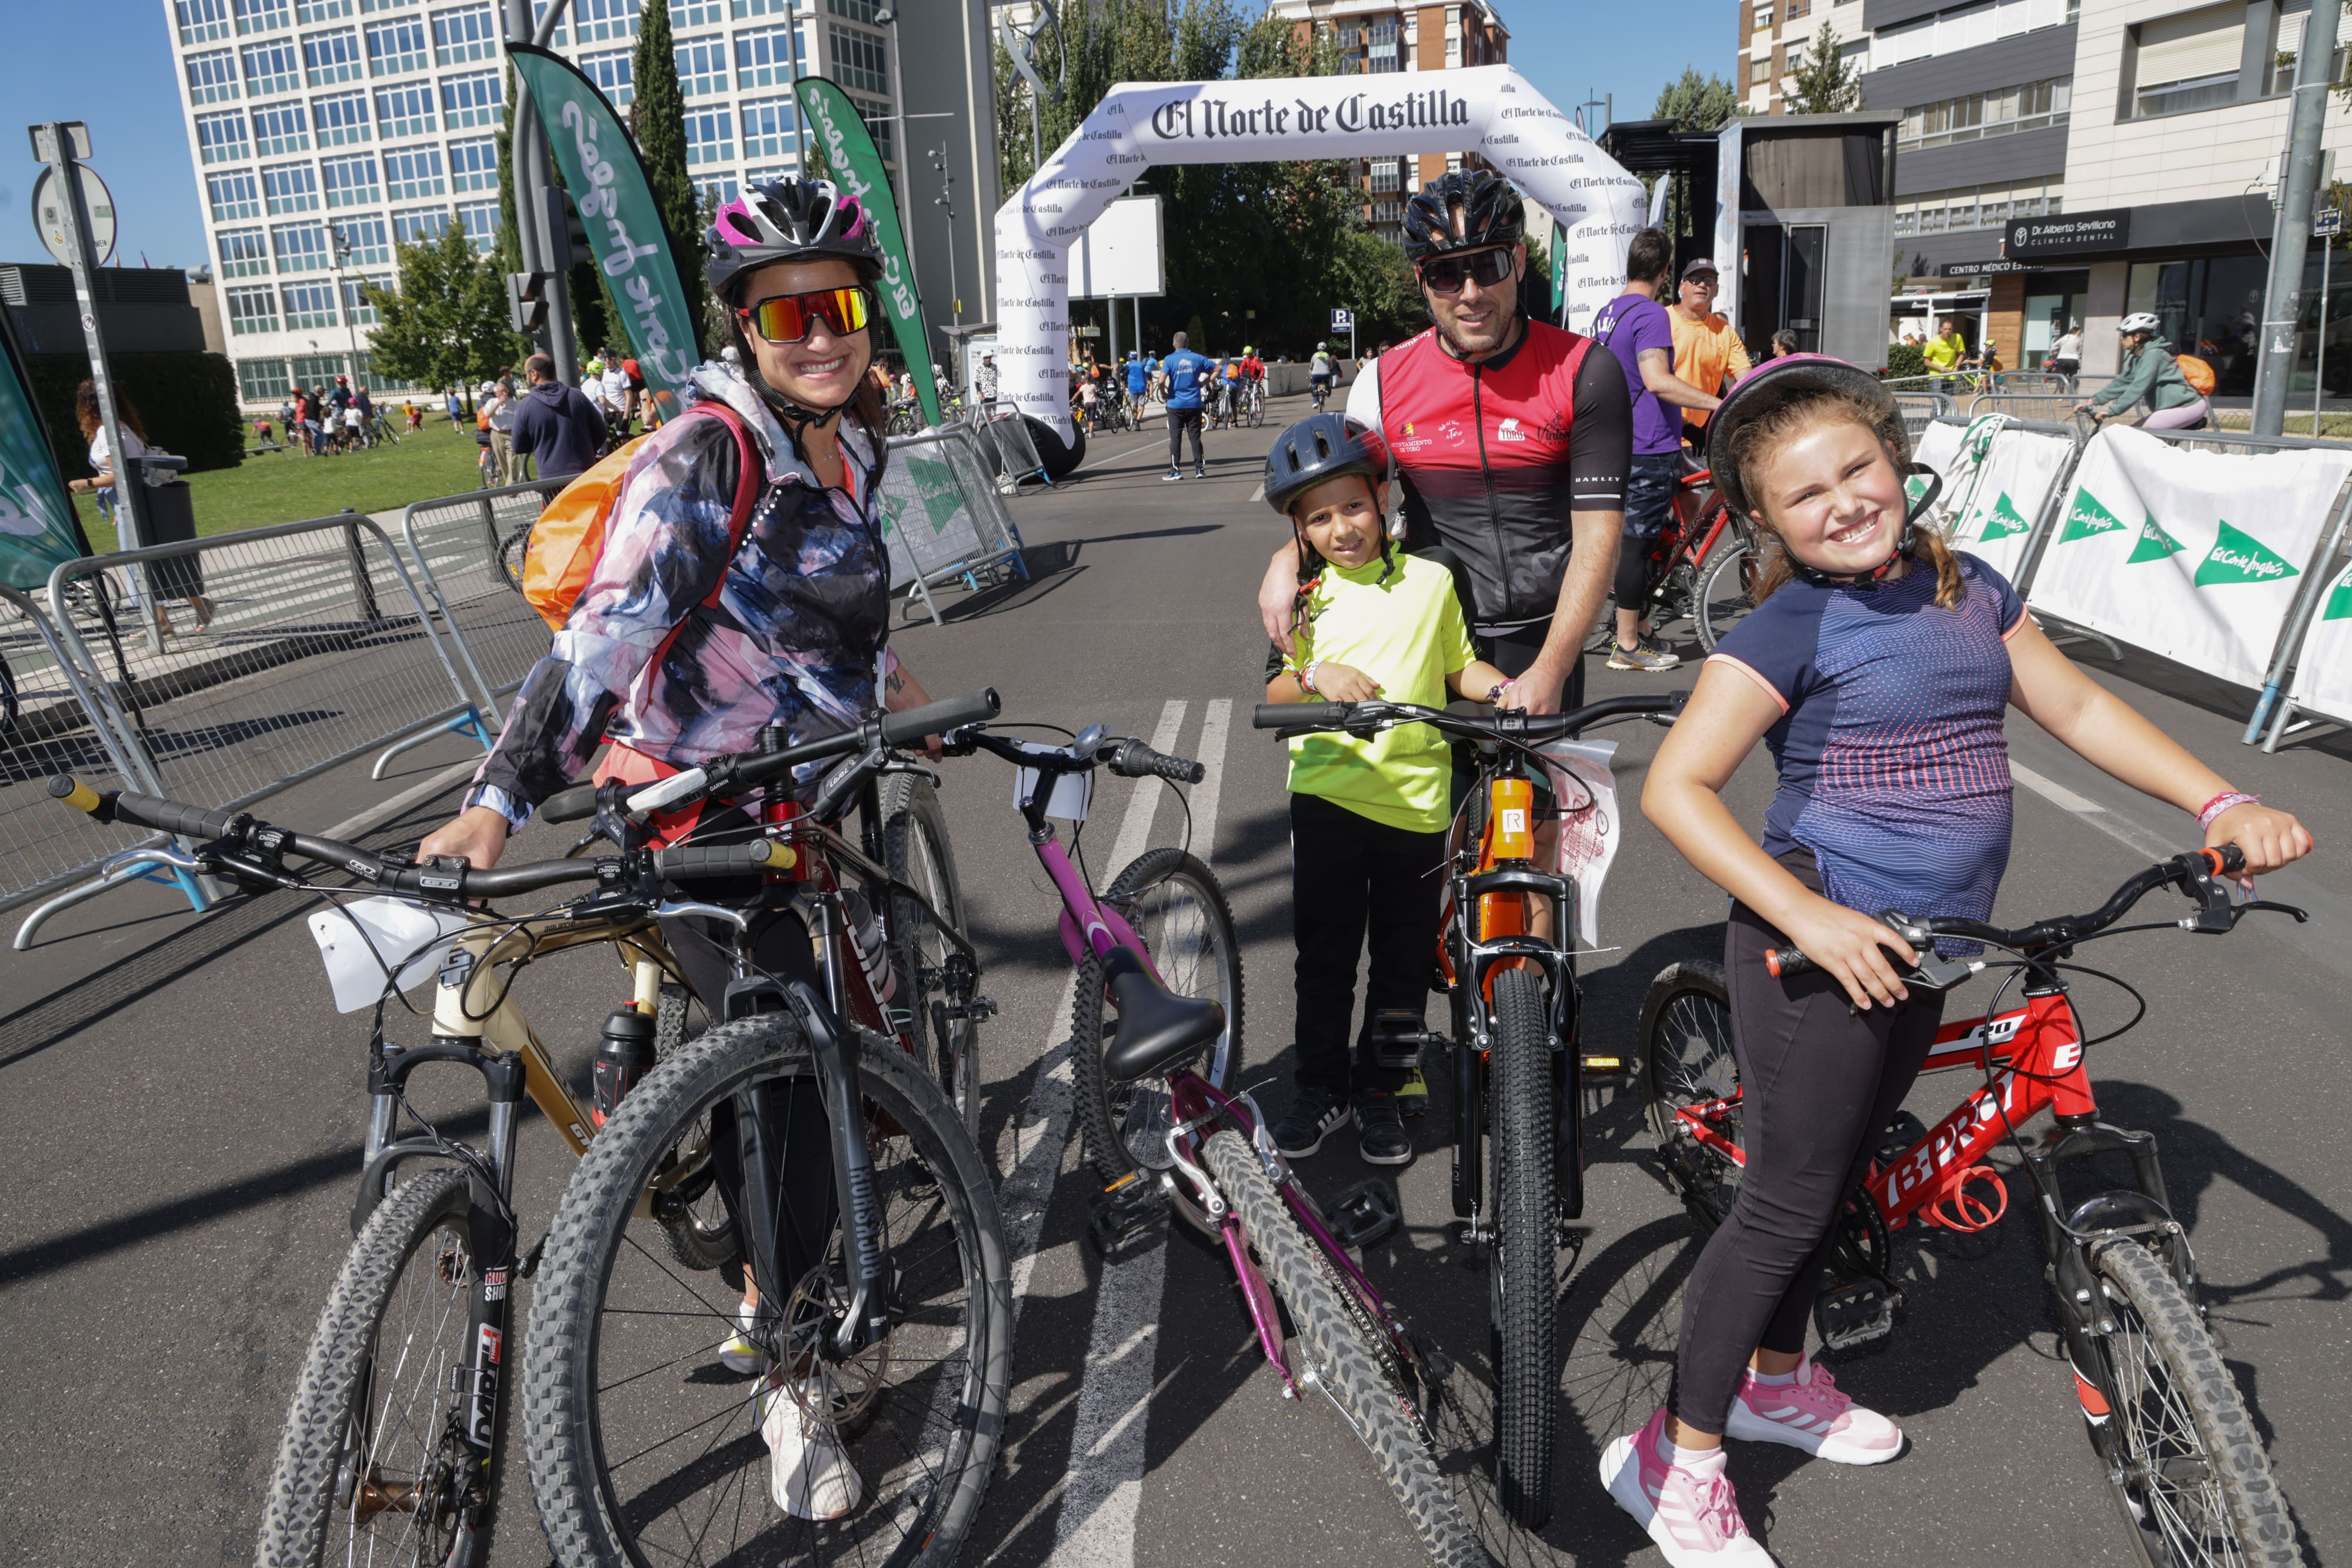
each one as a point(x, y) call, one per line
point(1634, 328)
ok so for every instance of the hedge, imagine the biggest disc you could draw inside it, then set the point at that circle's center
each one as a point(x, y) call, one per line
point(1905, 360)
point(186, 399)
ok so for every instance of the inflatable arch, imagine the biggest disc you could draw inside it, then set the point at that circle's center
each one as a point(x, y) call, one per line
point(1488, 109)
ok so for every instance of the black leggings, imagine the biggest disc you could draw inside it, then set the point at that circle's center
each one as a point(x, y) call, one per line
point(1181, 420)
point(1351, 876)
point(1818, 1086)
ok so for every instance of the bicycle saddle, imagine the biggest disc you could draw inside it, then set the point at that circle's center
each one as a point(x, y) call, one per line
point(1156, 1029)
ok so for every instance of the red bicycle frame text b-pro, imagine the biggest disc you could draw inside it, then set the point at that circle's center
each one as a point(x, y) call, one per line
point(2036, 1062)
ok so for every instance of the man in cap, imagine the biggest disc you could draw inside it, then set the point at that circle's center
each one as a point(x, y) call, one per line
point(1708, 354)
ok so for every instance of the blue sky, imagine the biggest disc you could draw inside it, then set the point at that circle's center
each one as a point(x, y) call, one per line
point(108, 63)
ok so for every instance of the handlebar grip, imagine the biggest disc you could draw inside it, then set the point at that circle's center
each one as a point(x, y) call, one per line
point(576, 804)
point(80, 797)
point(2227, 860)
point(688, 862)
point(1134, 760)
point(1782, 963)
point(899, 730)
point(172, 816)
point(1286, 715)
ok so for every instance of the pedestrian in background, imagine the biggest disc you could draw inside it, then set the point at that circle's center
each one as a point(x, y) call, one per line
point(457, 406)
point(503, 417)
point(1784, 344)
point(555, 425)
point(1707, 353)
point(2066, 353)
point(103, 484)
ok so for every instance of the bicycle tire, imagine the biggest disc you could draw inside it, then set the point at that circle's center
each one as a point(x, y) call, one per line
point(1684, 1038)
point(956, 1423)
point(918, 851)
point(312, 1483)
point(1345, 1368)
point(511, 551)
point(1523, 1277)
point(1725, 595)
point(2235, 1514)
point(701, 1234)
point(1126, 1125)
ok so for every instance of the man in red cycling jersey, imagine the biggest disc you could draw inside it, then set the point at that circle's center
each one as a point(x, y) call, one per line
point(1253, 368)
point(1512, 439)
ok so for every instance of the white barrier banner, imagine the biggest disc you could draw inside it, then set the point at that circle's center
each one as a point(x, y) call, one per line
point(1937, 445)
point(1996, 515)
point(2323, 674)
point(2193, 555)
point(925, 521)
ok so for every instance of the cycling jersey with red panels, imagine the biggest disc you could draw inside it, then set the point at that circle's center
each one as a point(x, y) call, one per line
point(1495, 456)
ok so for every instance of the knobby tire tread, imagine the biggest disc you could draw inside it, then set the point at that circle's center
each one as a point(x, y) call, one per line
point(301, 1510)
point(1527, 1365)
point(1336, 1349)
point(558, 1378)
point(909, 805)
point(1107, 1150)
point(2178, 1336)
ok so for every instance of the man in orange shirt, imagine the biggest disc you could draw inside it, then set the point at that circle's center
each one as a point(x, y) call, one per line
point(1707, 353)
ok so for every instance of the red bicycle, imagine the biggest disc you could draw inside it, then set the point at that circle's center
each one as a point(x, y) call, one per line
point(1702, 564)
point(2185, 1463)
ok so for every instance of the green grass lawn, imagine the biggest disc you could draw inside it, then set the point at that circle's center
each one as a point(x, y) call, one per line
point(287, 487)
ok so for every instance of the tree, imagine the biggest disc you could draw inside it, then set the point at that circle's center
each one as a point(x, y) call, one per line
point(658, 121)
point(1701, 102)
point(446, 326)
point(1825, 84)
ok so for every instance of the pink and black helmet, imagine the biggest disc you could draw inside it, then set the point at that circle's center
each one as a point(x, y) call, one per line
point(790, 220)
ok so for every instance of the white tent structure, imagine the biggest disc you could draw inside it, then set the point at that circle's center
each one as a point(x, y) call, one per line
point(1488, 109)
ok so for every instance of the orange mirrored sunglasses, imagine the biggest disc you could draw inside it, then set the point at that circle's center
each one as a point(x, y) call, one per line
point(790, 318)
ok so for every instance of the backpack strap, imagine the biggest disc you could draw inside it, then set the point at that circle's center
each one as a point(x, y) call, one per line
point(749, 469)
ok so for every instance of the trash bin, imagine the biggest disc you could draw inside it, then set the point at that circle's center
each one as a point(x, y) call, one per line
point(169, 517)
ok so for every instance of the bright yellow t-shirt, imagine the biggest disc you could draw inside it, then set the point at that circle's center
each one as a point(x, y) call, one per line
point(1408, 634)
point(1943, 351)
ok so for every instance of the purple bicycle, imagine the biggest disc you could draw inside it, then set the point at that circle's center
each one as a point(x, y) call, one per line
point(1165, 1129)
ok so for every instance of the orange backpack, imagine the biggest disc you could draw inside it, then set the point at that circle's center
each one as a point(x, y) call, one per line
point(569, 536)
point(2197, 373)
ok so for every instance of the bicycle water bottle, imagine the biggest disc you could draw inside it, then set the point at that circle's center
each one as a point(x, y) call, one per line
point(624, 1056)
point(866, 936)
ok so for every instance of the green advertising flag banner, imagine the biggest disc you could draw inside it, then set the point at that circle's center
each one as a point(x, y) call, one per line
point(38, 530)
point(600, 165)
point(1559, 271)
point(857, 166)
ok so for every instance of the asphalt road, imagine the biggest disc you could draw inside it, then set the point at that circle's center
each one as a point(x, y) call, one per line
point(183, 1108)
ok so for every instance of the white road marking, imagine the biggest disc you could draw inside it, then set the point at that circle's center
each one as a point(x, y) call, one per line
point(1103, 1484)
point(2129, 834)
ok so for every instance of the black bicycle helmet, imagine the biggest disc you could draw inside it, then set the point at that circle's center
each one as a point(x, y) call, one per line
point(1774, 383)
point(1321, 447)
point(790, 220)
point(1489, 208)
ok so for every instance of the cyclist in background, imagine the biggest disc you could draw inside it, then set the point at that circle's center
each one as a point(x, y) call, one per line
point(1322, 374)
point(1874, 629)
point(2150, 375)
point(1183, 381)
point(1252, 374)
point(1635, 327)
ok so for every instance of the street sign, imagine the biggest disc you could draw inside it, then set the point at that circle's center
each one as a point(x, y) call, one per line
point(48, 215)
point(1343, 321)
point(2327, 222)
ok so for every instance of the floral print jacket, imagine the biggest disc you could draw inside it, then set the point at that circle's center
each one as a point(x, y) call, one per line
point(795, 638)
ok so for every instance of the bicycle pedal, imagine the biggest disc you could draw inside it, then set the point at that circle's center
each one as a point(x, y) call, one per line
point(1367, 1212)
point(1856, 1314)
point(1608, 1066)
point(1124, 1213)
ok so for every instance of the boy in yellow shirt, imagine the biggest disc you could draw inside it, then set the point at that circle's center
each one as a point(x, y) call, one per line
point(1368, 816)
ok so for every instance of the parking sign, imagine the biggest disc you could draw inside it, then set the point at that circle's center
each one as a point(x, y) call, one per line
point(1343, 321)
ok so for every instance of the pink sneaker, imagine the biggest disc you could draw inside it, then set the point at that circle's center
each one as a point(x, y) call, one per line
point(1812, 1415)
point(1695, 1520)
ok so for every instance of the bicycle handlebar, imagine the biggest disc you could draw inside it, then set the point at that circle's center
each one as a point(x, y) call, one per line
point(1464, 720)
point(2192, 872)
point(436, 880)
point(1134, 760)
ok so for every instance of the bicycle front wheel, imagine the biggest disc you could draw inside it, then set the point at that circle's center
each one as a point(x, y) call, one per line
point(2186, 1466)
point(370, 1469)
point(915, 843)
point(1727, 588)
point(1174, 905)
point(1685, 1039)
point(646, 1446)
point(1523, 1283)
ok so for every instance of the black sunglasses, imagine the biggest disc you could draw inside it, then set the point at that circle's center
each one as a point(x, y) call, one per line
point(1446, 273)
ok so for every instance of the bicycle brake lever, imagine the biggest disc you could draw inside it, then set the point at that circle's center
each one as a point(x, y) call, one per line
point(2264, 906)
point(2216, 914)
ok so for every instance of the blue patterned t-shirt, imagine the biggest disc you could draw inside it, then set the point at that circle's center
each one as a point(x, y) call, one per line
point(1893, 768)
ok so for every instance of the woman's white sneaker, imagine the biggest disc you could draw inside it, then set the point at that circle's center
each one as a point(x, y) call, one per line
point(1691, 1516)
point(809, 1474)
point(738, 1352)
point(1808, 1413)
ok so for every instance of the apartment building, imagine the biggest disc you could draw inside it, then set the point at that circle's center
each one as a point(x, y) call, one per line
point(1379, 35)
point(1776, 38)
point(325, 133)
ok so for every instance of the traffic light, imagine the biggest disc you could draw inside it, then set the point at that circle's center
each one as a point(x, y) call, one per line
point(567, 236)
point(527, 296)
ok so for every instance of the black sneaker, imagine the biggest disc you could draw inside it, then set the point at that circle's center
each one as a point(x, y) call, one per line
point(1314, 1115)
point(1380, 1130)
point(1199, 473)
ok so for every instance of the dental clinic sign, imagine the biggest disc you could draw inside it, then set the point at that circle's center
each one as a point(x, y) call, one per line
point(616, 207)
point(1489, 110)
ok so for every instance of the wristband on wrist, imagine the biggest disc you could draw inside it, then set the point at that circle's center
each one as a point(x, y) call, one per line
point(1307, 677)
point(2226, 800)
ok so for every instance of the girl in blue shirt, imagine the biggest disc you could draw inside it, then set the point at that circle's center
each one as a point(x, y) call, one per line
point(1878, 666)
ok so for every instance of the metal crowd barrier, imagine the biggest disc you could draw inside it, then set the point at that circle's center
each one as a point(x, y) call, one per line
point(2055, 406)
point(294, 649)
point(999, 431)
point(1921, 409)
point(463, 548)
point(943, 554)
